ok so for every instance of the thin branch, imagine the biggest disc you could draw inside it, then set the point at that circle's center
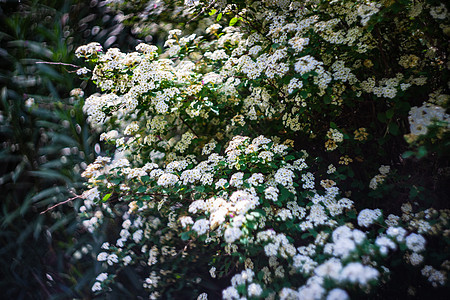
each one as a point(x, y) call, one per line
point(189, 126)
point(41, 284)
point(252, 25)
point(56, 63)
point(200, 13)
point(61, 203)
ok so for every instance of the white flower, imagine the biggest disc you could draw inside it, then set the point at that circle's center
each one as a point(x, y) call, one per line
point(175, 32)
point(213, 27)
point(186, 220)
point(358, 236)
point(384, 169)
point(212, 272)
point(284, 214)
point(367, 216)
point(343, 247)
point(331, 268)
point(284, 177)
point(112, 259)
point(254, 289)
point(439, 12)
point(82, 71)
point(256, 179)
point(201, 226)
point(102, 256)
point(137, 236)
point(396, 232)
point(167, 179)
point(342, 232)
point(29, 102)
point(220, 183)
point(126, 224)
point(415, 242)
point(271, 193)
point(355, 272)
point(126, 260)
point(196, 206)
point(415, 259)
point(232, 234)
point(306, 64)
point(244, 201)
point(337, 294)
point(97, 287)
point(230, 293)
point(385, 244)
point(102, 276)
point(237, 179)
point(312, 290)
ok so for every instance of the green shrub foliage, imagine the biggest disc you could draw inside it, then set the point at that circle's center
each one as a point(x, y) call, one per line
point(293, 150)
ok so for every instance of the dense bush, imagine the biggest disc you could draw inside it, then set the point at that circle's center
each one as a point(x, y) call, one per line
point(295, 153)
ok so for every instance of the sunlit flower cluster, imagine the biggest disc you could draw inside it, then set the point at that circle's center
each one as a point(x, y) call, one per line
point(209, 170)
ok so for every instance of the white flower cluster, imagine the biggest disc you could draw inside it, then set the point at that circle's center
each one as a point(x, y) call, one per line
point(245, 278)
point(88, 50)
point(196, 182)
point(434, 276)
point(420, 118)
point(379, 178)
point(368, 216)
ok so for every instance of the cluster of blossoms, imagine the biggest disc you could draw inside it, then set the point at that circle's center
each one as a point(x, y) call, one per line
point(420, 118)
point(334, 136)
point(379, 178)
point(210, 173)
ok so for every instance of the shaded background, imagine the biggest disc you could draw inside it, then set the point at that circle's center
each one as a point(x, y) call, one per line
point(45, 141)
point(43, 135)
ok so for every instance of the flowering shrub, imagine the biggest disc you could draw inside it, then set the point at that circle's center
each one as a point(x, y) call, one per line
point(265, 152)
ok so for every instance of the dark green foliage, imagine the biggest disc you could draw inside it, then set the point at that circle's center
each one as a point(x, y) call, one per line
point(40, 143)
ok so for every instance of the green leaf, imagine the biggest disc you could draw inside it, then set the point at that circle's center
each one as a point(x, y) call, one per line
point(117, 181)
point(46, 193)
point(212, 12)
point(393, 129)
point(382, 117)
point(37, 48)
point(284, 194)
point(421, 152)
point(413, 192)
point(402, 247)
point(49, 175)
point(305, 235)
point(390, 113)
point(407, 154)
point(260, 275)
point(219, 16)
point(106, 197)
point(351, 214)
point(200, 188)
point(233, 21)
point(185, 236)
